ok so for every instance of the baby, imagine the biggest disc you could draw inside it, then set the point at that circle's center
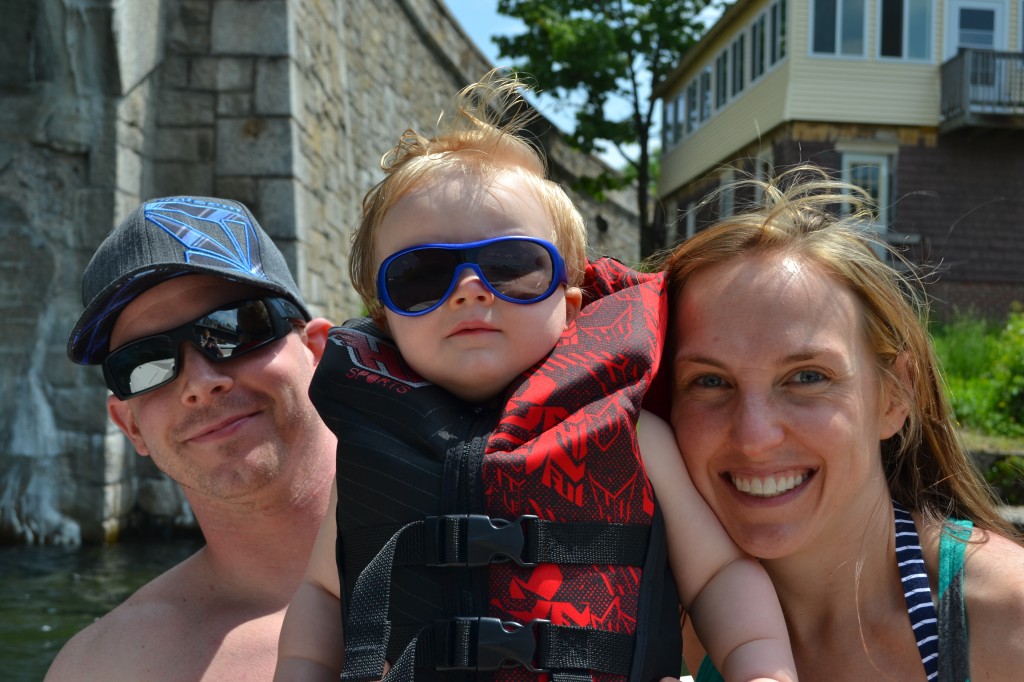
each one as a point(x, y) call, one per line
point(472, 262)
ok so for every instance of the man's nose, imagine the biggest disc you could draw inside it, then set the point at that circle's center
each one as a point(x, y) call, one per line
point(201, 378)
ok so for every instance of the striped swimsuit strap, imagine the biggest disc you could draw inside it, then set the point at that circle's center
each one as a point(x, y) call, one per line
point(916, 591)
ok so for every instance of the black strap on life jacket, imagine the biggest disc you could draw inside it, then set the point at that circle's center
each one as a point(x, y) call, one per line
point(472, 540)
point(481, 644)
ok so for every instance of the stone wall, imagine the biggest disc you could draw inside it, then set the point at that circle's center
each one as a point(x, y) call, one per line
point(286, 105)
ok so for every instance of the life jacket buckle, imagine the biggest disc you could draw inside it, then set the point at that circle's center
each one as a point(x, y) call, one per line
point(480, 643)
point(472, 540)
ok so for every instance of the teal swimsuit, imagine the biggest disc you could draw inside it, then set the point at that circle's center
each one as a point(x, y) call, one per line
point(941, 638)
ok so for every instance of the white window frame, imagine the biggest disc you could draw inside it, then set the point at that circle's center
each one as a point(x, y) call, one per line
point(838, 31)
point(951, 37)
point(692, 106)
point(680, 121)
point(764, 169)
point(691, 219)
point(668, 109)
point(723, 70)
point(758, 47)
point(849, 159)
point(776, 43)
point(929, 32)
point(672, 225)
point(727, 195)
point(707, 93)
point(737, 62)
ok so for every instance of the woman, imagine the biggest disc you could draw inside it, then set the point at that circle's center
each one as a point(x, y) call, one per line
point(809, 412)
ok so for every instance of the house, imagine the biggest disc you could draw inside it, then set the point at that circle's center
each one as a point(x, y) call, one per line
point(919, 102)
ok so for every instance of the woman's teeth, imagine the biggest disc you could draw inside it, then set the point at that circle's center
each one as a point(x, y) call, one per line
point(767, 486)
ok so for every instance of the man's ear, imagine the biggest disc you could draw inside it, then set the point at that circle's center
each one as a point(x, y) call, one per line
point(314, 335)
point(896, 393)
point(123, 417)
point(573, 303)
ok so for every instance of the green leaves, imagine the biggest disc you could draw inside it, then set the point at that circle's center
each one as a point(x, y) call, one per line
point(603, 56)
point(984, 370)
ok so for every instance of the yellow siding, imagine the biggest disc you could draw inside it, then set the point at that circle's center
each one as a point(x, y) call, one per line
point(863, 91)
point(741, 122)
point(760, 108)
point(867, 90)
point(709, 50)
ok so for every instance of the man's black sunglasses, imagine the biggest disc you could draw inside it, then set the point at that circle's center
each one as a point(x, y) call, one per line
point(227, 332)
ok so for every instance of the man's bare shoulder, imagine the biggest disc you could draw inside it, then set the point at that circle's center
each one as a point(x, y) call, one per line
point(130, 639)
point(186, 624)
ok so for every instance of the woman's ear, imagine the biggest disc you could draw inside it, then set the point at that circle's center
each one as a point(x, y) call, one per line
point(573, 303)
point(896, 394)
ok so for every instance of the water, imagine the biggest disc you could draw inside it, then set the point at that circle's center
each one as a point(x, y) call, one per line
point(47, 594)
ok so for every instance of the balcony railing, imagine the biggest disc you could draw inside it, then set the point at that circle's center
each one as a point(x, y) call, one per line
point(983, 88)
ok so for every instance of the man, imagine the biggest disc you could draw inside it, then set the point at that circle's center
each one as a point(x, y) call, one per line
point(230, 421)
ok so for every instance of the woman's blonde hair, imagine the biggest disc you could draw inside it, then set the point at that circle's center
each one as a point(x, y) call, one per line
point(808, 214)
point(479, 136)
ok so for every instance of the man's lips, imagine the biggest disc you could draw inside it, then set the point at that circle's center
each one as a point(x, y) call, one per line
point(223, 427)
point(769, 485)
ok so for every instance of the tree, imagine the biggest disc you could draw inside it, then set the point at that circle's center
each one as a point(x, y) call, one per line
point(602, 51)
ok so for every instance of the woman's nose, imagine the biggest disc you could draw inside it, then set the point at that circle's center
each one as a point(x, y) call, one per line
point(756, 426)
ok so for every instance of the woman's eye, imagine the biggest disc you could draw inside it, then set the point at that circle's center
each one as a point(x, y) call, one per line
point(709, 381)
point(808, 376)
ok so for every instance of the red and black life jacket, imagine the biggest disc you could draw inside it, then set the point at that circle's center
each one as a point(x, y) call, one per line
point(514, 540)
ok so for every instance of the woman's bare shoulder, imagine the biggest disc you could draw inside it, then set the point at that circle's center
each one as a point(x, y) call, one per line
point(994, 587)
point(994, 566)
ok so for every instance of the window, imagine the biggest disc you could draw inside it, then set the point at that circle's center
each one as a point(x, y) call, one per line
point(838, 27)
point(680, 116)
point(737, 66)
point(691, 107)
point(870, 172)
point(777, 32)
point(727, 194)
point(763, 171)
point(757, 49)
point(691, 219)
point(906, 27)
point(722, 79)
point(668, 116)
point(705, 94)
point(977, 28)
point(672, 122)
point(672, 219)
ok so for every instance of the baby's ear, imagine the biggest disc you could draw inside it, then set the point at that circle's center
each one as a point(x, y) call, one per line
point(573, 303)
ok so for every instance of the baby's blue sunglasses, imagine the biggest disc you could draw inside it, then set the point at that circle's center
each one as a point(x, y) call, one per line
point(417, 280)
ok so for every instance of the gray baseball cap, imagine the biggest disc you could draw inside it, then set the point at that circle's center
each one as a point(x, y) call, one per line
point(165, 238)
